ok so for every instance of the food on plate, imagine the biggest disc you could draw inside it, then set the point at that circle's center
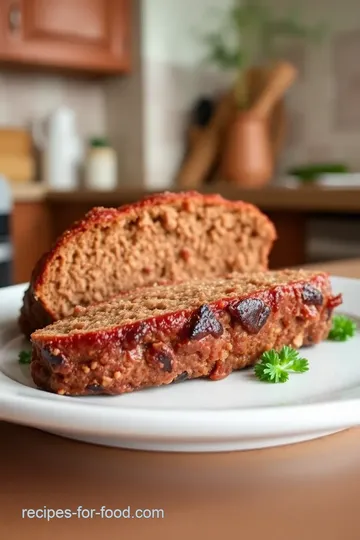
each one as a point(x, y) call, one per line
point(275, 366)
point(24, 357)
point(166, 237)
point(342, 328)
point(201, 328)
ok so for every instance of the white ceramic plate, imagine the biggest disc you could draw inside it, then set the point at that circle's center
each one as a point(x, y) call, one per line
point(236, 413)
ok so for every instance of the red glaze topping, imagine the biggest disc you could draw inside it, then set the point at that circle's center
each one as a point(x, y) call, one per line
point(135, 334)
point(171, 323)
point(160, 356)
point(251, 313)
point(312, 296)
point(334, 301)
point(205, 323)
point(220, 371)
point(309, 312)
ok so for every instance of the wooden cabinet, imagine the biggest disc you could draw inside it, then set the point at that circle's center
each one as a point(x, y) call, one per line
point(31, 236)
point(83, 35)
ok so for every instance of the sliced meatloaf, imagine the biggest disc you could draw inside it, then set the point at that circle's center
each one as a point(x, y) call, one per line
point(159, 335)
point(170, 237)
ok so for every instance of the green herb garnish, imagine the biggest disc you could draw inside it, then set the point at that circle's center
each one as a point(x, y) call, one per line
point(342, 329)
point(25, 357)
point(274, 367)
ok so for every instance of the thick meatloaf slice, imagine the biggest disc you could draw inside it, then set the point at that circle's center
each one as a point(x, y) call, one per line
point(168, 237)
point(157, 335)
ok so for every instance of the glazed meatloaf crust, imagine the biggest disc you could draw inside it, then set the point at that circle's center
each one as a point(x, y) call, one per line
point(168, 237)
point(164, 334)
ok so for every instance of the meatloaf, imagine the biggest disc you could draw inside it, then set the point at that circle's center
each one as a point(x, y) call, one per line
point(200, 328)
point(168, 237)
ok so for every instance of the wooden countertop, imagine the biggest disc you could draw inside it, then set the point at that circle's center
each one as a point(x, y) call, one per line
point(272, 198)
point(304, 199)
point(345, 268)
point(308, 490)
point(28, 192)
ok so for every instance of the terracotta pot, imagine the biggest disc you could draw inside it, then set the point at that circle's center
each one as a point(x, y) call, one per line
point(248, 158)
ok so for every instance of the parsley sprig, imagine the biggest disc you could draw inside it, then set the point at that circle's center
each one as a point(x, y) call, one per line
point(25, 357)
point(274, 366)
point(342, 329)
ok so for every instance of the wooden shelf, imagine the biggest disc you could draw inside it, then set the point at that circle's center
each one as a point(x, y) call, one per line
point(304, 199)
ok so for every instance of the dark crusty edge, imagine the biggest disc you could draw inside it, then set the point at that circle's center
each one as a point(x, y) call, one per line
point(34, 314)
point(210, 341)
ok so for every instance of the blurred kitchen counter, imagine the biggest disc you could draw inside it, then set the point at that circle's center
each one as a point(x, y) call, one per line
point(303, 199)
point(41, 215)
point(28, 192)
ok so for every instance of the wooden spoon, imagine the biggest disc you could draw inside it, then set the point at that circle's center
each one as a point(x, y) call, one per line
point(281, 78)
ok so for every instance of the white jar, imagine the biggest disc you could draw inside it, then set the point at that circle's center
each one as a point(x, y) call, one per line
point(101, 166)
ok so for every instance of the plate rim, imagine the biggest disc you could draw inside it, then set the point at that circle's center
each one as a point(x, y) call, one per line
point(226, 424)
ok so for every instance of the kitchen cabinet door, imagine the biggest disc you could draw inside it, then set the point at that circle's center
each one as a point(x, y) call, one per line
point(84, 35)
point(31, 237)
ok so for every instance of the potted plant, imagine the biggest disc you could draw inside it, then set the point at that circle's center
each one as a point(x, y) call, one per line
point(248, 37)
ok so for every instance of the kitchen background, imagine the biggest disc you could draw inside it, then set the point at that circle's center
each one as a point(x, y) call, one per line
point(129, 73)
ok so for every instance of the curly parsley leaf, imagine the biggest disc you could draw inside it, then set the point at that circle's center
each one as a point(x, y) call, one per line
point(342, 329)
point(25, 357)
point(274, 366)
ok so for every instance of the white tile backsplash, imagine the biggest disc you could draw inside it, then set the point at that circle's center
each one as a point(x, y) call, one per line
point(27, 96)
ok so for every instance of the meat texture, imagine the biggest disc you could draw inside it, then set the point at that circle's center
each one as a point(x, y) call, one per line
point(168, 237)
point(201, 328)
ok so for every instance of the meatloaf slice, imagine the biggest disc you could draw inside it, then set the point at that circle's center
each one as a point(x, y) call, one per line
point(157, 335)
point(169, 237)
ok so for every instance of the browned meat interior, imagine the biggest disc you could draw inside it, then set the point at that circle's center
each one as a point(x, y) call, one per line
point(156, 301)
point(163, 243)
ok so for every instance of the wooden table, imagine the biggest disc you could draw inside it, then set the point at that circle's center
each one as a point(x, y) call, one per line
point(308, 491)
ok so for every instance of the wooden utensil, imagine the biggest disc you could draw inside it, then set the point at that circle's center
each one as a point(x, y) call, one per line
point(200, 119)
point(248, 157)
point(280, 79)
point(205, 149)
point(257, 80)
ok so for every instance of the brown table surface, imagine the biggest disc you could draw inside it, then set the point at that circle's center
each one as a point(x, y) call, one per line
point(308, 491)
point(306, 198)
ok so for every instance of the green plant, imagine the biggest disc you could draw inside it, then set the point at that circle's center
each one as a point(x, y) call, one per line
point(248, 29)
point(343, 328)
point(98, 142)
point(275, 366)
point(24, 357)
point(311, 173)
